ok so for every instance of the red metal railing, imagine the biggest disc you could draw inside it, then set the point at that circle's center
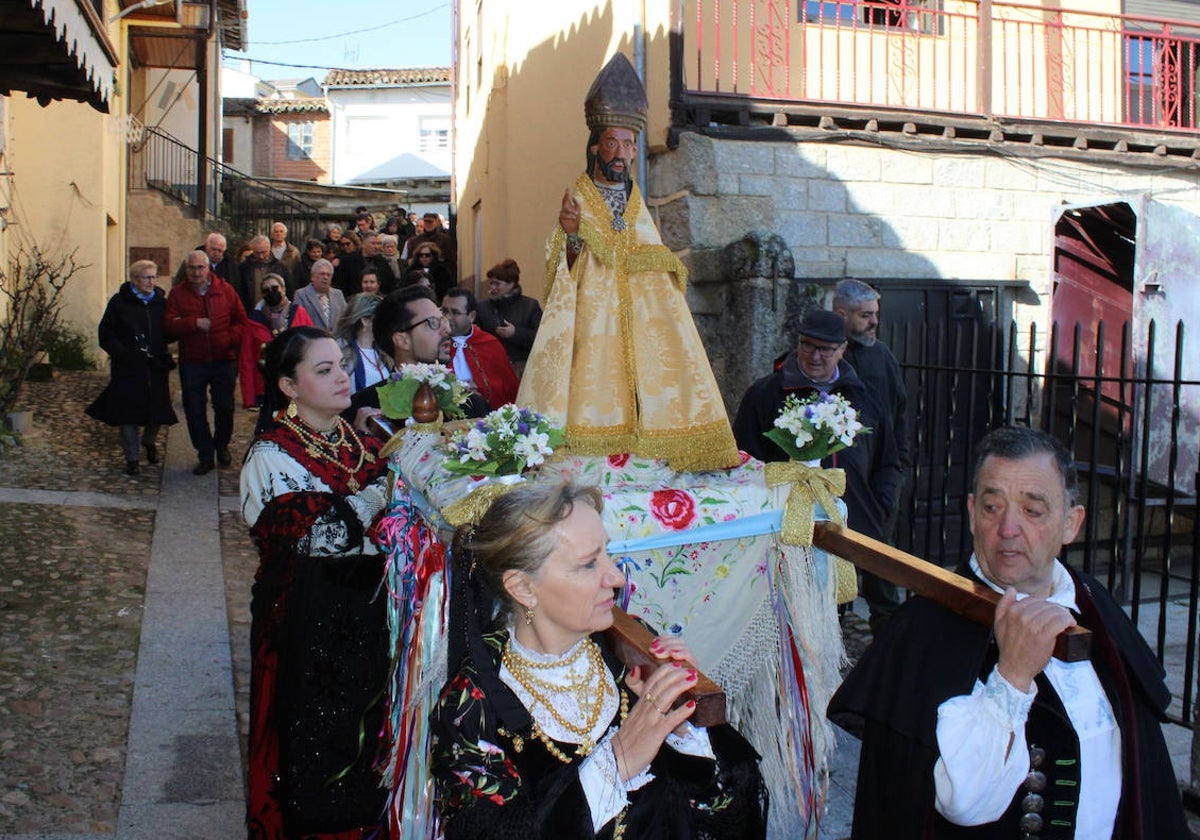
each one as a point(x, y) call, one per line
point(1003, 59)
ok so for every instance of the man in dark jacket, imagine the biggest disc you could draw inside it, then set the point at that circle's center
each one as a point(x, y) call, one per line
point(138, 395)
point(207, 317)
point(221, 263)
point(258, 265)
point(872, 464)
point(970, 731)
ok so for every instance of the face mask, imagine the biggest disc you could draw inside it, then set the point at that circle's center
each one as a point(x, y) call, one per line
point(273, 297)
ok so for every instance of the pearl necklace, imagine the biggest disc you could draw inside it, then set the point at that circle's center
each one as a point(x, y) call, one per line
point(319, 447)
point(589, 684)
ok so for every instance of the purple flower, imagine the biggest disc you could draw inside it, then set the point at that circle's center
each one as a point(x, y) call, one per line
point(523, 428)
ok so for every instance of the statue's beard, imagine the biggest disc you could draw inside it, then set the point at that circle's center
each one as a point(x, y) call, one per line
point(614, 175)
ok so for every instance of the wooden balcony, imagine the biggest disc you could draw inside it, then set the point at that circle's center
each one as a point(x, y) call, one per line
point(1016, 62)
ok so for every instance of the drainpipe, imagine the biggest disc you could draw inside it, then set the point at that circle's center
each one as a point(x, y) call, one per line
point(639, 64)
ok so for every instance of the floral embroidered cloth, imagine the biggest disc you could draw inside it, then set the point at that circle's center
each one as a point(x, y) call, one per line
point(703, 560)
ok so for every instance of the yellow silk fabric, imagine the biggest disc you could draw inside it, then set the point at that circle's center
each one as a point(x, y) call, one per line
point(617, 357)
point(812, 485)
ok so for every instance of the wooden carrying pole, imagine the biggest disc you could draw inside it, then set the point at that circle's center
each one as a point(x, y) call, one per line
point(630, 640)
point(954, 592)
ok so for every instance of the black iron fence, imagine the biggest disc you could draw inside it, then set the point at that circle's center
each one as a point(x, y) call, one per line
point(1123, 404)
point(246, 205)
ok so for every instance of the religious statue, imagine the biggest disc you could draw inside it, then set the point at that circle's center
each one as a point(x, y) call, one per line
point(617, 357)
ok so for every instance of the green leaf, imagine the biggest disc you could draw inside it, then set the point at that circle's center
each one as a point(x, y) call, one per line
point(395, 398)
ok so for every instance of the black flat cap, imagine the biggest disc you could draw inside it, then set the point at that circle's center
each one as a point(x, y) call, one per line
point(823, 325)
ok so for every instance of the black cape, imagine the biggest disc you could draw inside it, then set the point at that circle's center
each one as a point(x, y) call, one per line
point(927, 654)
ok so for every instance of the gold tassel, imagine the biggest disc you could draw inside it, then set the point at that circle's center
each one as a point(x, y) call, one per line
point(471, 507)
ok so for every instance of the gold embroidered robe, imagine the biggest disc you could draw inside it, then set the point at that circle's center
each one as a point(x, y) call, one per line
point(617, 357)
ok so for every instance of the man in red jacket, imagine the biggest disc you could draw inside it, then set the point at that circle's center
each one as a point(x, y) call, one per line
point(478, 357)
point(208, 318)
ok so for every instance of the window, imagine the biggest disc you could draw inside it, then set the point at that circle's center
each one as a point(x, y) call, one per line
point(435, 134)
point(300, 141)
point(916, 15)
point(1160, 80)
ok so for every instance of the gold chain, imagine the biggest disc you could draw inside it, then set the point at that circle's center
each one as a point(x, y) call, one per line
point(580, 752)
point(319, 447)
point(591, 682)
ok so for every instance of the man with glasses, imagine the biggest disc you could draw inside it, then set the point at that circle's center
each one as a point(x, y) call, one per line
point(410, 326)
point(478, 357)
point(207, 317)
point(258, 264)
point(872, 464)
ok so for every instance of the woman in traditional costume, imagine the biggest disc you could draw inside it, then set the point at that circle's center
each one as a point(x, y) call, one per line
point(542, 733)
point(311, 491)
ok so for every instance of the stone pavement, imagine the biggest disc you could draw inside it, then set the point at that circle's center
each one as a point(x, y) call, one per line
point(124, 637)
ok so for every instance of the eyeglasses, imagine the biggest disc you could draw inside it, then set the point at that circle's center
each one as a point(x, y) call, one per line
point(425, 254)
point(822, 350)
point(434, 322)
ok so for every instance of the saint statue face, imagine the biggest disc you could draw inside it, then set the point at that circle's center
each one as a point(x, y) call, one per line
point(614, 153)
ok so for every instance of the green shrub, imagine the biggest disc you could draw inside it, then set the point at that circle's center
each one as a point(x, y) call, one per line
point(69, 348)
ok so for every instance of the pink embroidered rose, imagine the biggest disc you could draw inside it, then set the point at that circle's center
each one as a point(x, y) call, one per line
point(675, 509)
point(618, 461)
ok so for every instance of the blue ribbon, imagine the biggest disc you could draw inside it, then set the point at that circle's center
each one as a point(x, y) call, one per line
point(757, 525)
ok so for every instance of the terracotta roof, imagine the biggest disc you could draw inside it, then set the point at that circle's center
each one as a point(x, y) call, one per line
point(386, 77)
point(292, 106)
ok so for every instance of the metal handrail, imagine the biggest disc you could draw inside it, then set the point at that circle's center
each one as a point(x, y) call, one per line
point(243, 203)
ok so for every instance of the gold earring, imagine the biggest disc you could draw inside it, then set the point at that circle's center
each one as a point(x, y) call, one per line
point(291, 413)
point(528, 616)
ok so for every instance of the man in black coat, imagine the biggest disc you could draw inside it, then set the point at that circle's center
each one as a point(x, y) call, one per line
point(872, 464)
point(255, 267)
point(976, 732)
point(220, 262)
point(138, 395)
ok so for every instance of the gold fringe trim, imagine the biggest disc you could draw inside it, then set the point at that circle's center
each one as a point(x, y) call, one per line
point(847, 580)
point(657, 258)
point(809, 485)
point(698, 448)
point(472, 507)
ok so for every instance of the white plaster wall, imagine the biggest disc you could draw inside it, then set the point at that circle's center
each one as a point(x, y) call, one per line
point(374, 125)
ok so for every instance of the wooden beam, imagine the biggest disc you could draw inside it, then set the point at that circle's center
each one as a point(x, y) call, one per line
point(953, 591)
point(630, 640)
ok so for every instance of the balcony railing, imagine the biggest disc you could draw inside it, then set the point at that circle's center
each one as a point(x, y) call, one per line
point(1018, 61)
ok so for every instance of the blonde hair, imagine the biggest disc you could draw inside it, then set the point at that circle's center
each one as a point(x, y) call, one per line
point(142, 265)
point(516, 532)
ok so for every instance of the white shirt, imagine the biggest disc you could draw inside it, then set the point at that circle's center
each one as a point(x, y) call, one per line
point(462, 371)
point(977, 774)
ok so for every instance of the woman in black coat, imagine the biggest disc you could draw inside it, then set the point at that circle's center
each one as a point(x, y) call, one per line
point(138, 394)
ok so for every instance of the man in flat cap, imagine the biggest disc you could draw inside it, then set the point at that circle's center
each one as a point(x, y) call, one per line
point(617, 356)
point(872, 464)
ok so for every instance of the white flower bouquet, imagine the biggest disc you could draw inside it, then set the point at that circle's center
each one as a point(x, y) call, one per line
point(812, 428)
point(396, 395)
point(505, 442)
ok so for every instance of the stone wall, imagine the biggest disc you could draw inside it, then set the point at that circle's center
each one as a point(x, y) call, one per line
point(872, 212)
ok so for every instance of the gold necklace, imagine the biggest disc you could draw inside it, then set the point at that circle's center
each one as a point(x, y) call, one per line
point(580, 752)
point(591, 682)
point(320, 447)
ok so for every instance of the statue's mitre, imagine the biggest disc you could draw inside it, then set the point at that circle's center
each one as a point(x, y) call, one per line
point(617, 98)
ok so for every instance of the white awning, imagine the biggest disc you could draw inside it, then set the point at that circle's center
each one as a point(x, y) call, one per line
point(79, 29)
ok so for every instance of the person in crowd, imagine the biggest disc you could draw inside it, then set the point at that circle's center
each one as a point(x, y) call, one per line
point(368, 282)
point(404, 226)
point(137, 399)
point(323, 303)
point(478, 357)
point(348, 267)
point(364, 222)
point(872, 464)
point(283, 250)
point(258, 265)
point(390, 254)
point(206, 315)
point(356, 338)
point(410, 327)
point(333, 235)
point(510, 315)
point(314, 249)
point(433, 231)
point(311, 490)
point(221, 263)
point(858, 304)
point(274, 314)
point(372, 254)
point(971, 730)
point(426, 268)
point(538, 715)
